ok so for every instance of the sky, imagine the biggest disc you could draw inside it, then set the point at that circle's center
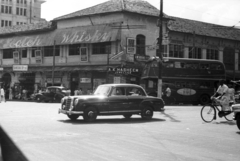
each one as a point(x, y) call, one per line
point(220, 12)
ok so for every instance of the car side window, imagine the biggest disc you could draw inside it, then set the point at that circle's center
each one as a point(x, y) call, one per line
point(135, 91)
point(118, 91)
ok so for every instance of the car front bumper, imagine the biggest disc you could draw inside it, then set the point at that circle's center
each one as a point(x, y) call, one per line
point(70, 112)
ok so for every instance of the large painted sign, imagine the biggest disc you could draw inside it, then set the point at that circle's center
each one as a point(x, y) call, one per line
point(87, 34)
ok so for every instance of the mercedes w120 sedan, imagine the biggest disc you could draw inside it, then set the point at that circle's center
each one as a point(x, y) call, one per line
point(112, 99)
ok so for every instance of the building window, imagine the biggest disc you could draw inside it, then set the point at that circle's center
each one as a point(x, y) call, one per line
point(24, 53)
point(2, 9)
point(74, 49)
point(9, 23)
point(48, 51)
point(176, 50)
point(7, 53)
point(140, 45)
point(6, 9)
point(6, 23)
point(25, 1)
point(10, 10)
point(101, 48)
point(17, 11)
point(17, 1)
point(2, 23)
point(195, 53)
point(212, 54)
point(21, 11)
point(25, 12)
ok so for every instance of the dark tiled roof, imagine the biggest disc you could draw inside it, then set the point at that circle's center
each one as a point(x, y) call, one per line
point(202, 28)
point(136, 6)
point(25, 28)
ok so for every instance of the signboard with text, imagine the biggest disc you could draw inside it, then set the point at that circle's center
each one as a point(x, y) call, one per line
point(20, 67)
point(123, 70)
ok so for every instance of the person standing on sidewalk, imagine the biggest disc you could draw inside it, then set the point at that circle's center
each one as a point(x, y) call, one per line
point(2, 95)
point(10, 93)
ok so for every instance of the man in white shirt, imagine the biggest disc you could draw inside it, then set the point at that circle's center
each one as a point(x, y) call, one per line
point(2, 95)
point(222, 96)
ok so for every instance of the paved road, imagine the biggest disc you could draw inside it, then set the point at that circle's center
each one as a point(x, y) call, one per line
point(179, 134)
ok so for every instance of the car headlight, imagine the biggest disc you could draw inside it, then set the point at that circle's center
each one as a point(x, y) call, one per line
point(62, 100)
point(75, 102)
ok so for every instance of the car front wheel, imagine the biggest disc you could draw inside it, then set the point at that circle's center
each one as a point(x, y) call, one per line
point(147, 113)
point(90, 114)
point(73, 117)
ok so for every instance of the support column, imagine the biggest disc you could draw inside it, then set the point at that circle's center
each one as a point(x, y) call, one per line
point(186, 52)
point(236, 60)
point(204, 53)
point(220, 53)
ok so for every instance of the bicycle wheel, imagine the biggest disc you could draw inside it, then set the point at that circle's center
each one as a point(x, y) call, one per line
point(208, 113)
point(229, 117)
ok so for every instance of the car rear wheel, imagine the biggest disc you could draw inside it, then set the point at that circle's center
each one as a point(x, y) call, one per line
point(73, 117)
point(90, 114)
point(147, 113)
point(238, 122)
point(39, 99)
point(127, 116)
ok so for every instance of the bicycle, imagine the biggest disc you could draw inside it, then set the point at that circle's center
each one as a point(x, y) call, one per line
point(209, 112)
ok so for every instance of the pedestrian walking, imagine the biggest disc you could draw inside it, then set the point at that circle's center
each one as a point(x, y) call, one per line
point(10, 93)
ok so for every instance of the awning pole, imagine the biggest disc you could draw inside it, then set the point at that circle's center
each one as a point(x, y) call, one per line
point(53, 67)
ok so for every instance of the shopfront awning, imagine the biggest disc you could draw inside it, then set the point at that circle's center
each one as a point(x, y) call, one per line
point(74, 35)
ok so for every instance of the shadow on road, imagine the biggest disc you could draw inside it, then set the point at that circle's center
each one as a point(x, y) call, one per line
point(114, 121)
point(227, 122)
point(8, 150)
point(170, 117)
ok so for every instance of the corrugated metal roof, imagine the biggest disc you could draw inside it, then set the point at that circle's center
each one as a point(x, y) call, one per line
point(203, 28)
point(136, 6)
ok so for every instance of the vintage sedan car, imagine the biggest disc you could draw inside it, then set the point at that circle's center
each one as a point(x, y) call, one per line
point(236, 116)
point(52, 94)
point(112, 99)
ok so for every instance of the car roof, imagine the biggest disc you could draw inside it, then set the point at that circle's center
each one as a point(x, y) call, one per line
point(121, 85)
point(56, 87)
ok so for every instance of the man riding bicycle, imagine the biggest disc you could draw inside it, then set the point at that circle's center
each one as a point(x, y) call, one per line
point(222, 96)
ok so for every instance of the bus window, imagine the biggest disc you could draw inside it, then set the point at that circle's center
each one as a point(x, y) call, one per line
point(204, 66)
point(178, 85)
point(216, 67)
point(191, 66)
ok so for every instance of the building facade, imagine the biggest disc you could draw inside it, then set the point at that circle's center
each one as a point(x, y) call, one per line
point(100, 45)
point(199, 40)
point(82, 50)
point(19, 12)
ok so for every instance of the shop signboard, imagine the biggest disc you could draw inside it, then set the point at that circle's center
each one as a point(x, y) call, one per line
point(123, 70)
point(141, 58)
point(56, 80)
point(20, 67)
point(85, 80)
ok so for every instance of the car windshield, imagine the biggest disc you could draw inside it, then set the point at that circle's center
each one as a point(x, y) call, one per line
point(102, 90)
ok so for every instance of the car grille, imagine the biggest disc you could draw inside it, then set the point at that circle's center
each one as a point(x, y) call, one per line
point(68, 103)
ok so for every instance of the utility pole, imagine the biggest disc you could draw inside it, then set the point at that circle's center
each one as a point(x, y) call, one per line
point(30, 11)
point(53, 67)
point(160, 51)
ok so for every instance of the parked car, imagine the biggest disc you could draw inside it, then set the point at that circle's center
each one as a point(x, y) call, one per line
point(236, 116)
point(52, 94)
point(112, 99)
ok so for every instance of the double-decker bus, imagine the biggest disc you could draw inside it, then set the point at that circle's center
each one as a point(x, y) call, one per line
point(192, 81)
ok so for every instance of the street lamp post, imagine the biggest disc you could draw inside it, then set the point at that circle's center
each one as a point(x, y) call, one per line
point(160, 50)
